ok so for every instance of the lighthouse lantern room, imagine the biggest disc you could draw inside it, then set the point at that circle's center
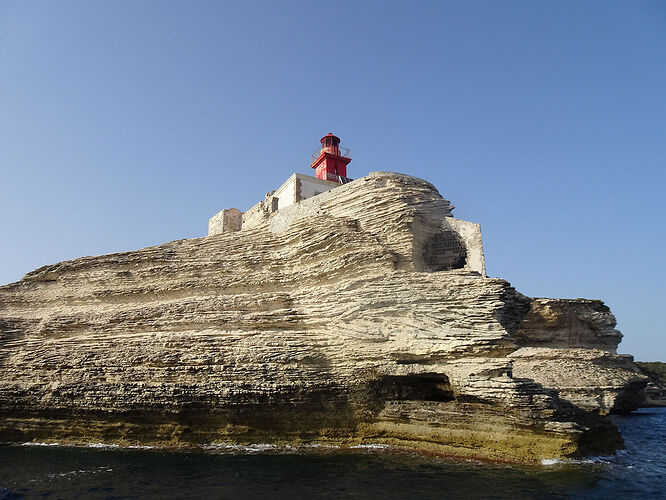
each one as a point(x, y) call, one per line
point(330, 160)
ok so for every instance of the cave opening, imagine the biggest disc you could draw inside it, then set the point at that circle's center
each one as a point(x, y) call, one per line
point(445, 251)
point(421, 387)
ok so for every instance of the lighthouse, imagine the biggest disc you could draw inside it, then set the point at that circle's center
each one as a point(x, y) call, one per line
point(330, 163)
point(330, 160)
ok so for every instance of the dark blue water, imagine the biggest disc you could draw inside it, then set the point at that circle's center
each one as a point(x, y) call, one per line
point(113, 473)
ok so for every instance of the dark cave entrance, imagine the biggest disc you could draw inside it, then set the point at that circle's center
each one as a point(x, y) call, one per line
point(445, 251)
point(421, 387)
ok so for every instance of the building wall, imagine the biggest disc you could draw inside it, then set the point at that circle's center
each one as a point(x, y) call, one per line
point(254, 215)
point(470, 232)
point(301, 187)
point(286, 194)
point(311, 186)
point(227, 220)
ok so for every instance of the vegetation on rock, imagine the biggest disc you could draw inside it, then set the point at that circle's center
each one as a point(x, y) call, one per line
point(656, 370)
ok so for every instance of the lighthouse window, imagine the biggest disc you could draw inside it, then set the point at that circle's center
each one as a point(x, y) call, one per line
point(445, 251)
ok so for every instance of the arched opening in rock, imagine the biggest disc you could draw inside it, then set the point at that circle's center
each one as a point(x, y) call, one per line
point(445, 251)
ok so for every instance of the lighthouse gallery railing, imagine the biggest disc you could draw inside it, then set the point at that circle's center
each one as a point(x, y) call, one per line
point(344, 152)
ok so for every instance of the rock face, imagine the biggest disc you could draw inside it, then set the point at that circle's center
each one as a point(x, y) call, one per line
point(346, 318)
point(570, 345)
point(655, 392)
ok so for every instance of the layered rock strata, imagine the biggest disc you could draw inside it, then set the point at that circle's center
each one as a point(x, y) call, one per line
point(322, 323)
point(570, 345)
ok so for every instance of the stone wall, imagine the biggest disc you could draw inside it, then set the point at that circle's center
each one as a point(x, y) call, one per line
point(470, 232)
point(295, 189)
point(226, 221)
point(301, 187)
point(312, 186)
point(286, 194)
point(255, 215)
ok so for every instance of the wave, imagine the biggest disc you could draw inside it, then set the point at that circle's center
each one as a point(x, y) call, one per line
point(569, 461)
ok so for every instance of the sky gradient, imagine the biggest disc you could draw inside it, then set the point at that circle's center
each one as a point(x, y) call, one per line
point(128, 124)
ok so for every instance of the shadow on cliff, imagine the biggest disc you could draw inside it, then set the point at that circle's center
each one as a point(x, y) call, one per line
point(516, 307)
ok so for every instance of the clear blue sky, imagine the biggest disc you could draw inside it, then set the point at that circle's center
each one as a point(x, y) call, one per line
point(125, 124)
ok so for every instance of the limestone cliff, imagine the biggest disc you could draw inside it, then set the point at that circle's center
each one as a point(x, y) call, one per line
point(570, 345)
point(351, 317)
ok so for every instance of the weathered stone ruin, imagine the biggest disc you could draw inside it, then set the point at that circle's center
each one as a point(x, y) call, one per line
point(361, 314)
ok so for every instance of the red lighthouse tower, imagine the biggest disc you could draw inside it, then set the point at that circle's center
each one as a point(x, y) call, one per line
point(330, 160)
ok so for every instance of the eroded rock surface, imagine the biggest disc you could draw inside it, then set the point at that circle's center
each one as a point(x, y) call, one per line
point(570, 345)
point(320, 324)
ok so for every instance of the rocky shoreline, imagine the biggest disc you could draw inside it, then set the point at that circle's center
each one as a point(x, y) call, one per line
point(322, 324)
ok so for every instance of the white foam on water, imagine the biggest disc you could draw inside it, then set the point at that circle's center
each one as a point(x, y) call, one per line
point(249, 448)
point(79, 472)
point(275, 448)
point(589, 460)
point(101, 445)
point(370, 447)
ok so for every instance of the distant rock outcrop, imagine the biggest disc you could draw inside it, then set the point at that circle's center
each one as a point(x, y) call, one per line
point(360, 315)
point(655, 392)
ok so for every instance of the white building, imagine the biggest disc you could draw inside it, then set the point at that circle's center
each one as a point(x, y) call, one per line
point(297, 188)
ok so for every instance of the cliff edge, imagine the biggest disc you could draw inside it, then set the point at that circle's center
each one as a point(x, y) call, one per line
point(360, 315)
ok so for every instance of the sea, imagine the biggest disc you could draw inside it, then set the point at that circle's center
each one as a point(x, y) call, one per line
point(104, 472)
